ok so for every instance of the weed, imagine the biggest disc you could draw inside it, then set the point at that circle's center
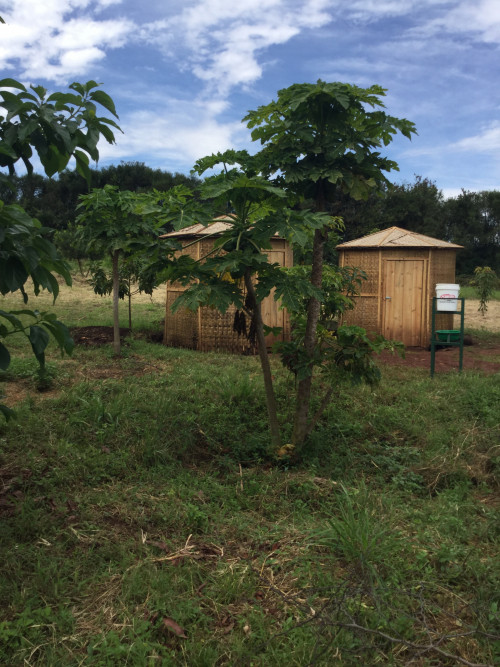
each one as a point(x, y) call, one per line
point(357, 534)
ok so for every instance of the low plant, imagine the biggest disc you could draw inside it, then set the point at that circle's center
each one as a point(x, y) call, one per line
point(485, 281)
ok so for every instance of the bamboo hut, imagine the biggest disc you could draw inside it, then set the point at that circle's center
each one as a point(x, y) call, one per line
point(207, 329)
point(402, 270)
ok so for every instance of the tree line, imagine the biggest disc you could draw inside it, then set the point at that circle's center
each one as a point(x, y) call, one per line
point(471, 219)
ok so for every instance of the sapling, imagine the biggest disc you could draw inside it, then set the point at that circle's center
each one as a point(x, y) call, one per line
point(485, 281)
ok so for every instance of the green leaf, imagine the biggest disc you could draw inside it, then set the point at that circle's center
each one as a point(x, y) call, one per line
point(39, 90)
point(7, 412)
point(12, 319)
point(11, 83)
point(4, 357)
point(61, 334)
point(12, 275)
point(27, 128)
point(82, 165)
point(39, 339)
point(104, 100)
point(62, 99)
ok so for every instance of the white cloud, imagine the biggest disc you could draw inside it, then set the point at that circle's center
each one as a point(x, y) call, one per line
point(480, 19)
point(487, 141)
point(222, 41)
point(57, 39)
point(179, 135)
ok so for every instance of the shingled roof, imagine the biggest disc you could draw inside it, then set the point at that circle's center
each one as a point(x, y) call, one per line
point(396, 237)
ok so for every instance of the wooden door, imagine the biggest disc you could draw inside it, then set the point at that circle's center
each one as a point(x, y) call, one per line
point(403, 300)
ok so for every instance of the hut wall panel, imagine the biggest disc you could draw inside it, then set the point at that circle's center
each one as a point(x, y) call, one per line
point(367, 261)
point(209, 330)
point(440, 268)
point(180, 328)
point(364, 314)
point(442, 271)
point(217, 334)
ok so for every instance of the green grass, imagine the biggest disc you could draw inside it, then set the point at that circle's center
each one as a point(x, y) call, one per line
point(468, 292)
point(145, 521)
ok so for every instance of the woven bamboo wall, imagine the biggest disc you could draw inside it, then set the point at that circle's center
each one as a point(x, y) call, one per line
point(439, 266)
point(442, 270)
point(209, 330)
point(366, 310)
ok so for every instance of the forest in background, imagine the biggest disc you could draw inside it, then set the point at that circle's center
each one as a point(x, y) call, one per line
point(471, 219)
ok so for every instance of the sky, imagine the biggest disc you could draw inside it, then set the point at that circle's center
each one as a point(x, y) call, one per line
point(183, 73)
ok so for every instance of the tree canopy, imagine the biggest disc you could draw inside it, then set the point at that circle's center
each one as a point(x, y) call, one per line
point(55, 128)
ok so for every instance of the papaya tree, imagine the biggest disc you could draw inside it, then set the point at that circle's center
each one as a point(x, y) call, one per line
point(237, 272)
point(319, 141)
point(54, 128)
point(123, 224)
point(133, 278)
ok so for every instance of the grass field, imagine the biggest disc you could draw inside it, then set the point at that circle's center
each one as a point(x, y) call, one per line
point(144, 520)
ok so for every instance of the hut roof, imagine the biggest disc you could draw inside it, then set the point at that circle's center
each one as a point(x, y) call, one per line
point(219, 225)
point(396, 237)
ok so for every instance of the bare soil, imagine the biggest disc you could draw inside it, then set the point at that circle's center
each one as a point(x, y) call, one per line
point(480, 356)
point(95, 336)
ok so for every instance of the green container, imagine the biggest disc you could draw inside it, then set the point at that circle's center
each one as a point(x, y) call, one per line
point(448, 335)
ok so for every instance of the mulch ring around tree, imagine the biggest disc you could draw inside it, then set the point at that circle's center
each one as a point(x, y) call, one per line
point(480, 356)
point(96, 336)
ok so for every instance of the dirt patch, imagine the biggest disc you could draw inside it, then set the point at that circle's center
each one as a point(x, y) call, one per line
point(474, 320)
point(481, 356)
point(100, 335)
point(95, 336)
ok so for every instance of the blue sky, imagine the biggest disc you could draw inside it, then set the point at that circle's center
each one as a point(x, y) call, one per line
point(183, 73)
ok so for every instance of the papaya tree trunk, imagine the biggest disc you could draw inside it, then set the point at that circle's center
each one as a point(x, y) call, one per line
point(116, 294)
point(303, 398)
point(272, 409)
point(130, 304)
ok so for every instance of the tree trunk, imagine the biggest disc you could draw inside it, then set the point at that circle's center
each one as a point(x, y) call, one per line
point(303, 399)
point(130, 304)
point(116, 317)
point(264, 361)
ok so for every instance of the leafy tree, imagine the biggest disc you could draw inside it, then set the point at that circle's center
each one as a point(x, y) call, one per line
point(320, 140)
point(472, 219)
point(228, 275)
point(138, 177)
point(133, 278)
point(485, 281)
point(55, 128)
point(237, 271)
point(121, 223)
point(415, 206)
